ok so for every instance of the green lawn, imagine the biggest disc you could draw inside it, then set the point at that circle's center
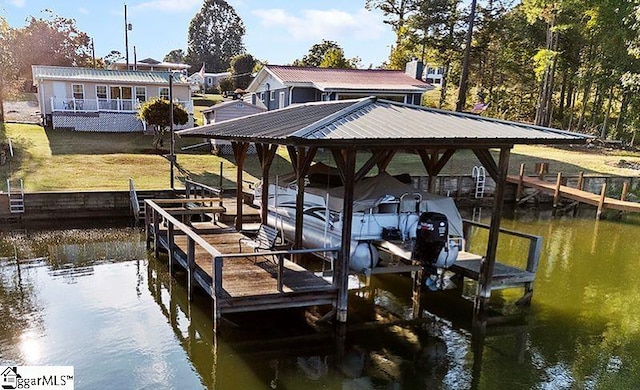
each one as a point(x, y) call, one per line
point(65, 160)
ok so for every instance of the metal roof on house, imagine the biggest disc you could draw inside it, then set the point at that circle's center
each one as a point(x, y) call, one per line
point(326, 79)
point(63, 73)
point(228, 103)
point(375, 123)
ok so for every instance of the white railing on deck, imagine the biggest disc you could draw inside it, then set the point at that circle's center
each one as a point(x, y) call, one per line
point(96, 105)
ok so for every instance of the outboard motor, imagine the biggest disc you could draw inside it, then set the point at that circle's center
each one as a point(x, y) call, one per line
point(432, 235)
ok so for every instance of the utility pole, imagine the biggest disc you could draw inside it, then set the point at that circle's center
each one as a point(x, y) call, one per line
point(172, 156)
point(462, 90)
point(126, 36)
point(93, 53)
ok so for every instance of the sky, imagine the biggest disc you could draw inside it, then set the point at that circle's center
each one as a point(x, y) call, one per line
point(277, 31)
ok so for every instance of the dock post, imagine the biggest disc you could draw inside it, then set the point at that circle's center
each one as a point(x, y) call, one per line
point(487, 265)
point(533, 259)
point(580, 180)
point(170, 244)
point(156, 234)
point(603, 192)
point(556, 192)
point(191, 262)
point(625, 189)
point(216, 290)
point(520, 177)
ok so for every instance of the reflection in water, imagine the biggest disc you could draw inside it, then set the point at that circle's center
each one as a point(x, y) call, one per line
point(92, 299)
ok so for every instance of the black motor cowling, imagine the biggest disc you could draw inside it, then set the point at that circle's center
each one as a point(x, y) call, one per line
point(432, 235)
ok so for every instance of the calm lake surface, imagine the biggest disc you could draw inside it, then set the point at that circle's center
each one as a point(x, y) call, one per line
point(95, 299)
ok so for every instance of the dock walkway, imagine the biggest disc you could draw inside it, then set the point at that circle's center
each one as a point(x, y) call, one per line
point(233, 275)
point(598, 200)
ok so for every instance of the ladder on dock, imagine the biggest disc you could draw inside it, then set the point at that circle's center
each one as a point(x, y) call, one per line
point(16, 197)
point(480, 176)
point(136, 203)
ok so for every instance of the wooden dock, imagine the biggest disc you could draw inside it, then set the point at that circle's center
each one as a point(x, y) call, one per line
point(468, 265)
point(233, 275)
point(558, 190)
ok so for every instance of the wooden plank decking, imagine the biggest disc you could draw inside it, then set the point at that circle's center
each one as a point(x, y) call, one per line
point(249, 282)
point(576, 194)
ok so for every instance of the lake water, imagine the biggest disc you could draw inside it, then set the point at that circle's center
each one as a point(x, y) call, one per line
point(95, 300)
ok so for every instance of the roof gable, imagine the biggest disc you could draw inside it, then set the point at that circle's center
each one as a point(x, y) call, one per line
point(341, 79)
point(373, 123)
point(77, 74)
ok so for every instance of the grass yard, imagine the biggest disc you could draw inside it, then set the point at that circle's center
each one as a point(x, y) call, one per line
point(58, 160)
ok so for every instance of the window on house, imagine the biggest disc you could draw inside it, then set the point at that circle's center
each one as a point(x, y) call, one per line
point(164, 93)
point(272, 95)
point(78, 91)
point(101, 91)
point(141, 94)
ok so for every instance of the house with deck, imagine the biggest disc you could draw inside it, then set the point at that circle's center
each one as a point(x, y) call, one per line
point(102, 100)
point(278, 86)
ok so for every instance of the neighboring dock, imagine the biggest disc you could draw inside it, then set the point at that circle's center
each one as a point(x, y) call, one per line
point(601, 201)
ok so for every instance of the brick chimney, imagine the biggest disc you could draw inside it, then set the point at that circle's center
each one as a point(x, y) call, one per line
point(414, 68)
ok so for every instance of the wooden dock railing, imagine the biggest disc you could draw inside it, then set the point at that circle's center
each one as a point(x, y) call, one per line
point(212, 280)
point(512, 276)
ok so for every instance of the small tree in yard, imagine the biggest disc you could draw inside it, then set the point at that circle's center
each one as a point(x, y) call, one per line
point(156, 113)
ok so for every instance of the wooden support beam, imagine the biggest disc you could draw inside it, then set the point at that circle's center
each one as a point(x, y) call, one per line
point(488, 262)
point(520, 177)
point(485, 158)
point(433, 163)
point(266, 154)
point(239, 153)
point(216, 289)
point(603, 193)
point(580, 181)
point(375, 158)
point(385, 160)
point(625, 189)
point(191, 271)
point(556, 192)
point(346, 162)
point(170, 245)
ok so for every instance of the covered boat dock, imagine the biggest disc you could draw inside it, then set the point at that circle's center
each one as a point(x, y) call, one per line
point(381, 129)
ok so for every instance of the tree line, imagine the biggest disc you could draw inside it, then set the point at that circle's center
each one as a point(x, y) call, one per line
point(571, 64)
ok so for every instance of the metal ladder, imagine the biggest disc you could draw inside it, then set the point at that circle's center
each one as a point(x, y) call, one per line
point(137, 204)
point(480, 175)
point(16, 197)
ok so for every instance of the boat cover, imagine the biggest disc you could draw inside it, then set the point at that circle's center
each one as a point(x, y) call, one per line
point(372, 191)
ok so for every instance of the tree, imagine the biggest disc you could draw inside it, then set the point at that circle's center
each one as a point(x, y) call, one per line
point(334, 58)
point(52, 40)
point(6, 64)
point(318, 52)
point(215, 36)
point(225, 84)
point(176, 56)
point(111, 58)
point(241, 70)
point(396, 12)
point(156, 113)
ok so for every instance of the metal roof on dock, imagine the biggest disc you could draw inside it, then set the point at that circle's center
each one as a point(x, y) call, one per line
point(372, 122)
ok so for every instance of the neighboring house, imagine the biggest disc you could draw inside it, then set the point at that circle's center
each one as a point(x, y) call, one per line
point(209, 83)
point(87, 99)
point(149, 64)
point(434, 74)
point(278, 86)
point(226, 111)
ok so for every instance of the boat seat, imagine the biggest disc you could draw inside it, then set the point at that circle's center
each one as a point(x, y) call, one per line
point(265, 239)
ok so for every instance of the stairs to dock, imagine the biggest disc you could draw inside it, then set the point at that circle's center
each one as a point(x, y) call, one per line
point(16, 197)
